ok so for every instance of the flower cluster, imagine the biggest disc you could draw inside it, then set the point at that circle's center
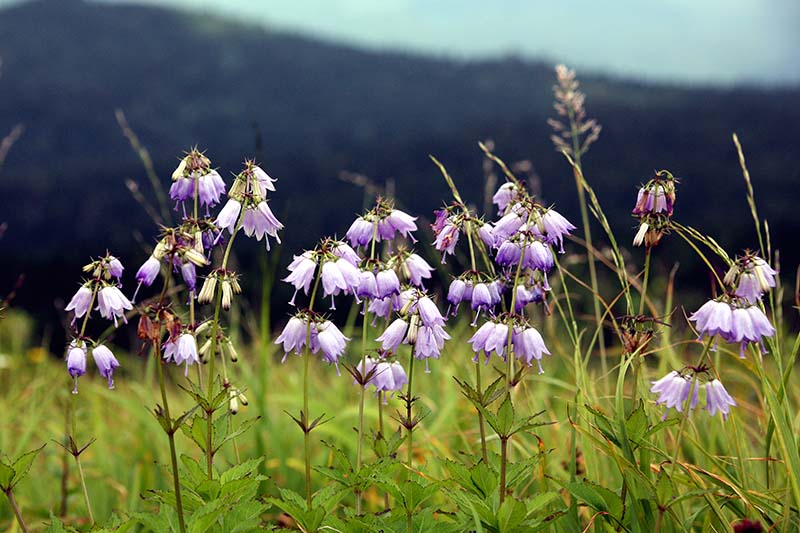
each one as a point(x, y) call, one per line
point(736, 320)
point(103, 288)
point(674, 389)
point(307, 328)
point(654, 207)
point(751, 277)
point(384, 376)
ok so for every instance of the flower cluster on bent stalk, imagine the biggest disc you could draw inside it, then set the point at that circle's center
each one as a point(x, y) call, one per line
point(654, 207)
point(674, 389)
point(102, 288)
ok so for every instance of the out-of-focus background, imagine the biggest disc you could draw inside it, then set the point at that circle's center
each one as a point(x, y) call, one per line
point(315, 88)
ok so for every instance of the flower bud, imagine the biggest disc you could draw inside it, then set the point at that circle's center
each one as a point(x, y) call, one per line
point(207, 292)
point(232, 351)
point(180, 170)
point(233, 401)
point(413, 329)
point(226, 294)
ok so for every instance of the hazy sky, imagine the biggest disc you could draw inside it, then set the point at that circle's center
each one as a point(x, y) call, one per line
point(682, 40)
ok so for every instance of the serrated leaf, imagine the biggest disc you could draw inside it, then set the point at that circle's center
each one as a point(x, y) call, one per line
point(193, 470)
point(484, 479)
point(240, 471)
point(510, 515)
point(505, 418)
point(6, 475)
point(23, 464)
point(597, 497)
point(636, 424)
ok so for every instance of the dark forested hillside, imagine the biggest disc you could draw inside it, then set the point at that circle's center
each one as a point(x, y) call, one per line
point(185, 79)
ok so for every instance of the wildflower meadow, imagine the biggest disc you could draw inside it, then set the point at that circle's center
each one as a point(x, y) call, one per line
point(498, 365)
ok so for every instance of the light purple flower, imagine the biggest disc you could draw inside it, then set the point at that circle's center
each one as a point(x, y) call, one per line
point(481, 297)
point(183, 350)
point(360, 232)
point(301, 275)
point(399, 376)
point(80, 302)
point(394, 335)
point(673, 390)
point(538, 256)
point(713, 318)
point(529, 345)
point(652, 200)
point(755, 278)
point(446, 240)
point(429, 343)
point(106, 363)
point(388, 283)
point(508, 254)
point(260, 221)
point(210, 187)
point(429, 313)
point(263, 181)
point(333, 281)
point(189, 273)
point(115, 267)
point(749, 325)
point(505, 194)
point(293, 337)
point(490, 337)
point(555, 228)
point(351, 274)
point(506, 227)
point(229, 215)
point(486, 233)
point(113, 304)
point(381, 308)
point(718, 399)
point(147, 273)
point(455, 294)
point(367, 285)
point(76, 361)
point(330, 340)
point(397, 222)
point(182, 189)
point(343, 250)
point(525, 296)
point(417, 269)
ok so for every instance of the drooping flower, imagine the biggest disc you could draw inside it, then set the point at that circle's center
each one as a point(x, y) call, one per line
point(388, 283)
point(491, 337)
point(673, 390)
point(113, 304)
point(429, 343)
point(294, 335)
point(751, 277)
point(529, 345)
point(360, 232)
point(505, 194)
point(556, 227)
point(367, 285)
point(106, 363)
point(330, 341)
point(259, 221)
point(301, 274)
point(182, 350)
point(481, 297)
point(263, 181)
point(749, 325)
point(429, 313)
point(394, 334)
point(538, 256)
point(417, 269)
point(333, 281)
point(507, 226)
point(397, 222)
point(718, 399)
point(80, 302)
point(343, 250)
point(713, 318)
point(147, 273)
point(446, 240)
point(229, 215)
point(114, 267)
point(189, 274)
point(76, 361)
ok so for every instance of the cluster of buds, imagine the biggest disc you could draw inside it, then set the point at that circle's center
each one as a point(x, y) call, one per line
point(674, 389)
point(103, 288)
point(750, 277)
point(194, 178)
point(736, 320)
point(222, 280)
point(235, 398)
point(636, 332)
point(183, 249)
point(654, 206)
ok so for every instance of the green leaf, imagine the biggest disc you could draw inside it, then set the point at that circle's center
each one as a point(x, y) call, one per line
point(241, 471)
point(484, 479)
point(597, 497)
point(23, 464)
point(636, 424)
point(6, 475)
point(505, 418)
point(243, 427)
point(511, 514)
point(193, 471)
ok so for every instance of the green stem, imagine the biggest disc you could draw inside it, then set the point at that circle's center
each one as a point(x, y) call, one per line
point(410, 451)
point(646, 278)
point(212, 357)
point(503, 461)
point(78, 458)
point(481, 423)
point(171, 435)
point(306, 417)
point(587, 233)
point(17, 512)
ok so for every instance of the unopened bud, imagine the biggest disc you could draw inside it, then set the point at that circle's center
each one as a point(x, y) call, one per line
point(233, 402)
point(207, 291)
point(179, 171)
point(226, 294)
point(243, 399)
point(193, 256)
point(232, 351)
point(413, 329)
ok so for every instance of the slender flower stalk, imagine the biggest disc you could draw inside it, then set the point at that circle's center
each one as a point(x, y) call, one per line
point(306, 417)
point(17, 512)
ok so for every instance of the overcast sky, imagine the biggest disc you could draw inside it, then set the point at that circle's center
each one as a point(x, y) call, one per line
point(719, 41)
